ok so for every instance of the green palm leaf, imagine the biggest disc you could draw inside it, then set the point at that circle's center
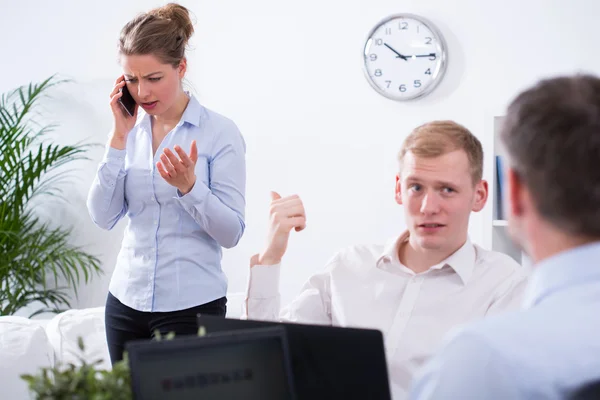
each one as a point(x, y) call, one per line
point(37, 262)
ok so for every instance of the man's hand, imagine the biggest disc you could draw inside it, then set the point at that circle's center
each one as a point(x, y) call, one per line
point(286, 213)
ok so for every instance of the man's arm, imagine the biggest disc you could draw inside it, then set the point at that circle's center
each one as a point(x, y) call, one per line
point(262, 299)
point(510, 295)
point(312, 306)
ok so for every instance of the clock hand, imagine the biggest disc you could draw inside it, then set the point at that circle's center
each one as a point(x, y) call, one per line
point(423, 55)
point(399, 55)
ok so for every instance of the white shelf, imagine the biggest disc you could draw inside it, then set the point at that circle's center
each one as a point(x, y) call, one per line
point(500, 239)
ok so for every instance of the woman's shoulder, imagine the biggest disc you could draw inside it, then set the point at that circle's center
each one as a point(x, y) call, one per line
point(216, 120)
point(223, 130)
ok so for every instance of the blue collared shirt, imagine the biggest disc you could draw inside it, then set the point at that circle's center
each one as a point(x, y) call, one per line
point(546, 351)
point(170, 258)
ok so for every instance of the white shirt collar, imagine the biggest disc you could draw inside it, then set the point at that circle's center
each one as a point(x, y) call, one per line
point(462, 261)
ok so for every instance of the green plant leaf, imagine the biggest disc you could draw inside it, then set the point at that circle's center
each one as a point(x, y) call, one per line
point(34, 256)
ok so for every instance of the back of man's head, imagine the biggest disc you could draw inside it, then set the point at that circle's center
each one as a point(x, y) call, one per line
point(552, 136)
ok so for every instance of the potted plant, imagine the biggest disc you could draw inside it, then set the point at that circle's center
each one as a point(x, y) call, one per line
point(34, 255)
point(85, 381)
point(81, 382)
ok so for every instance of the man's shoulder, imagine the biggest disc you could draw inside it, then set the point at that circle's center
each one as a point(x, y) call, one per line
point(515, 355)
point(473, 354)
point(359, 256)
point(495, 328)
point(504, 336)
point(498, 261)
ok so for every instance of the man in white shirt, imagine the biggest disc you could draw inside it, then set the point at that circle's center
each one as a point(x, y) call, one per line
point(550, 349)
point(419, 285)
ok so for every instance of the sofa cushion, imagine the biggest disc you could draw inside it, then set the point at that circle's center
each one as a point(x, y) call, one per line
point(64, 330)
point(235, 301)
point(24, 349)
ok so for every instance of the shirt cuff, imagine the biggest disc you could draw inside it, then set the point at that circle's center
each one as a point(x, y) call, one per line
point(264, 280)
point(114, 156)
point(195, 196)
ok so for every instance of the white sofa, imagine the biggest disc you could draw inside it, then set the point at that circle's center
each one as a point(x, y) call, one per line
point(26, 345)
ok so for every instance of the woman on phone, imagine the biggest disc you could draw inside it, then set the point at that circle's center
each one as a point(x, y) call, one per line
point(177, 171)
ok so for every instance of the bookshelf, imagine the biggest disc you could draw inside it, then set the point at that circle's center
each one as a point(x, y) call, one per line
point(499, 239)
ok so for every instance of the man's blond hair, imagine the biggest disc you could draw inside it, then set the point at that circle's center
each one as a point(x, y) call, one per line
point(437, 138)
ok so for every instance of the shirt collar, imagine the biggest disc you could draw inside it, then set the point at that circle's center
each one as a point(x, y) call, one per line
point(462, 261)
point(193, 111)
point(192, 114)
point(561, 271)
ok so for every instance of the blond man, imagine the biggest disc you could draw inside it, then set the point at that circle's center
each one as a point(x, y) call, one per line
point(416, 287)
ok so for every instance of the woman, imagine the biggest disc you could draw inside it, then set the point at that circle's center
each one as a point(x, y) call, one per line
point(178, 172)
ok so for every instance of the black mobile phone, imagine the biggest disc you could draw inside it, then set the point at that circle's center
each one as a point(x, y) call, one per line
point(127, 101)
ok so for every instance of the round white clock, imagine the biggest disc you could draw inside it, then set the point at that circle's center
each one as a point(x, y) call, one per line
point(404, 57)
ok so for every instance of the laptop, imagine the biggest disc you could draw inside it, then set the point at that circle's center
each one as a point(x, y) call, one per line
point(326, 361)
point(250, 365)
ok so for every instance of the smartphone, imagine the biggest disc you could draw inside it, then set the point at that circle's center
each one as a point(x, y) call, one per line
point(127, 101)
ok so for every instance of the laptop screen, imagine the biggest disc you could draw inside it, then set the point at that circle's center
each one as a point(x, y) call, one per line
point(326, 361)
point(225, 369)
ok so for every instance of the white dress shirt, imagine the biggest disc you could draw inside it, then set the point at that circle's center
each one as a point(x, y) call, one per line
point(367, 286)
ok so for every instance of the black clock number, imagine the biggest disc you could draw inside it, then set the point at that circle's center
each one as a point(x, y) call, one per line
point(417, 83)
point(402, 88)
point(378, 72)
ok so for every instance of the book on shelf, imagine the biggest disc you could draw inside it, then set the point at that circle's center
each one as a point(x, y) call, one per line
point(499, 197)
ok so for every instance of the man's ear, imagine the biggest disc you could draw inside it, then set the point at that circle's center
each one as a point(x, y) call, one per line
point(481, 195)
point(398, 190)
point(515, 192)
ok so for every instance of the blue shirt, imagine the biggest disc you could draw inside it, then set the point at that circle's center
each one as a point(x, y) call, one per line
point(546, 351)
point(170, 258)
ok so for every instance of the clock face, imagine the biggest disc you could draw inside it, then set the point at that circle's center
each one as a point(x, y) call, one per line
point(404, 57)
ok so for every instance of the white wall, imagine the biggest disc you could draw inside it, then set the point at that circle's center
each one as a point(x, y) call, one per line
point(290, 76)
